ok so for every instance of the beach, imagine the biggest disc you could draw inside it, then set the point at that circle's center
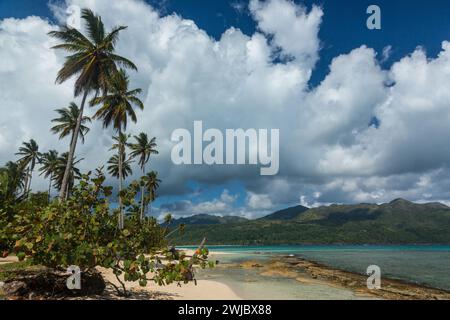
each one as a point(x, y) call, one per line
point(269, 276)
point(201, 290)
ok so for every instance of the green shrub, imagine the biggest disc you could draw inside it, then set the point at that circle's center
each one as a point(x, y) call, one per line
point(83, 231)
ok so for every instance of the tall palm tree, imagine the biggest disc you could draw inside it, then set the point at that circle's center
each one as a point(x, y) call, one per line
point(142, 149)
point(29, 152)
point(67, 122)
point(121, 142)
point(93, 62)
point(151, 183)
point(49, 162)
point(113, 166)
point(60, 169)
point(115, 108)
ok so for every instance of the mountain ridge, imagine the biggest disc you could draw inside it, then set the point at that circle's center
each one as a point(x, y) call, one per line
point(397, 222)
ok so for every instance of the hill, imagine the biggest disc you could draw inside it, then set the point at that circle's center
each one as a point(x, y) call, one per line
point(206, 219)
point(286, 214)
point(397, 222)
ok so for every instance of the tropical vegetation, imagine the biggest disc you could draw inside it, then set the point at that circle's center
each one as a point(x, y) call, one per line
point(397, 222)
point(80, 226)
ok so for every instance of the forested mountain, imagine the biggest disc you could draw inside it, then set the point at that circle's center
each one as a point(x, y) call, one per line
point(399, 221)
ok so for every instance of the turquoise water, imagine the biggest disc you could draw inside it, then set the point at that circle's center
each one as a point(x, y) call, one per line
point(293, 249)
point(424, 264)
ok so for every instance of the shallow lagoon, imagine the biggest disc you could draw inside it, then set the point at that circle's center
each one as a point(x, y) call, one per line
point(428, 265)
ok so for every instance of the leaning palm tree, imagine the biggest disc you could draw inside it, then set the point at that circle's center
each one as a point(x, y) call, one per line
point(151, 183)
point(115, 108)
point(67, 122)
point(60, 169)
point(93, 62)
point(29, 153)
point(12, 181)
point(49, 162)
point(142, 149)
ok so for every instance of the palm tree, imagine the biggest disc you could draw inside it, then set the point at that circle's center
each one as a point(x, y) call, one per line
point(143, 148)
point(151, 183)
point(30, 155)
point(93, 62)
point(12, 181)
point(67, 122)
point(49, 162)
point(121, 142)
point(113, 166)
point(60, 169)
point(115, 108)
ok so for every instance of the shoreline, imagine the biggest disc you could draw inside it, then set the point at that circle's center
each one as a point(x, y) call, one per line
point(201, 290)
point(305, 272)
point(310, 272)
point(190, 291)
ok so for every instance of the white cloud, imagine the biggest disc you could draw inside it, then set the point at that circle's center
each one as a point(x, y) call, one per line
point(226, 197)
point(259, 201)
point(386, 54)
point(326, 146)
point(294, 29)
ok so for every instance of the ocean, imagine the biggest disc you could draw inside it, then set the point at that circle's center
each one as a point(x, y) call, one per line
point(422, 264)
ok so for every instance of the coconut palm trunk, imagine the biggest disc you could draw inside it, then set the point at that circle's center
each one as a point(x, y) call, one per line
point(73, 145)
point(50, 187)
point(142, 195)
point(29, 180)
point(121, 214)
point(27, 177)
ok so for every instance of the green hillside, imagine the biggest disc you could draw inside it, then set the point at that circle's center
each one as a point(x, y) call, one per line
point(397, 222)
point(286, 214)
point(206, 219)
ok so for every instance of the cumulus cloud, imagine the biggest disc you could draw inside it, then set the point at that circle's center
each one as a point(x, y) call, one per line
point(294, 29)
point(329, 152)
point(259, 201)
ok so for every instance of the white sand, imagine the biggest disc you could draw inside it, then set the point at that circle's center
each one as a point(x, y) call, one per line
point(204, 290)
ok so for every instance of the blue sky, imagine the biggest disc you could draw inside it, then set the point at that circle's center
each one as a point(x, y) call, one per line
point(406, 25)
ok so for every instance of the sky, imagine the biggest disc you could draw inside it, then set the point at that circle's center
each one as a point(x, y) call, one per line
point(363, 114)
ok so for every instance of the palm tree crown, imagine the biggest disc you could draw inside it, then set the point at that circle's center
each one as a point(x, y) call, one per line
point(113, 166)
point(30, 154)
point(151, 183)
point(12, 181)
point(60, 170)
point(117, 104)
point(143, 148)
point(92, 58)
point(49, 161)
point(67, 122)
point(120, 142)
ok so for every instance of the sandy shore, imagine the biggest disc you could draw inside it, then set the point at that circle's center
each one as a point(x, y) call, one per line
point(203, 290)
point(302, 271)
